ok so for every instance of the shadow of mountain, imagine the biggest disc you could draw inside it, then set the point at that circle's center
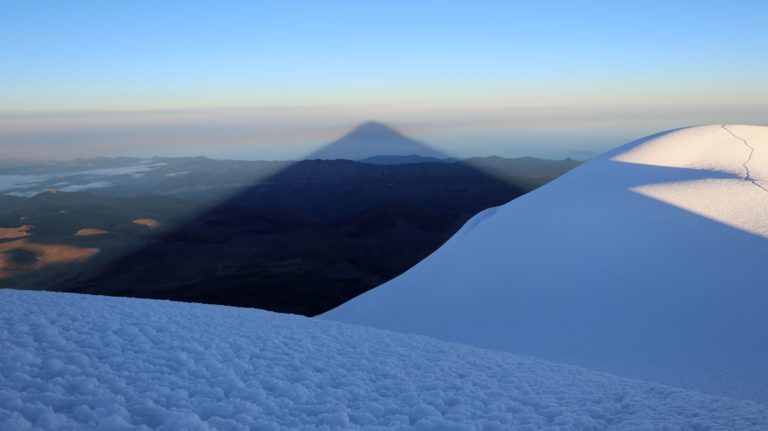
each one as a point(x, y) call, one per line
point(372, 139)
point(311, 236)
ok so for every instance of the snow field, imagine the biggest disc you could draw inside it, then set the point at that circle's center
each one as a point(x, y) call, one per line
point(71, 362)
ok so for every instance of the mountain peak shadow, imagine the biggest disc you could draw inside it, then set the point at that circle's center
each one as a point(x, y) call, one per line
point(372, 139)
point(298, 237)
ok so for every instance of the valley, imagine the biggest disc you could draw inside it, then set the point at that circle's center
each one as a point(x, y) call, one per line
point(297, 237)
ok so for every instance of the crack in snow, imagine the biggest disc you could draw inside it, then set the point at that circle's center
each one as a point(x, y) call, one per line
point(747, 175)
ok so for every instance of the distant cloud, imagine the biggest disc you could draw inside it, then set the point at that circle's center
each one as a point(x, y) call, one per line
point(89, 186)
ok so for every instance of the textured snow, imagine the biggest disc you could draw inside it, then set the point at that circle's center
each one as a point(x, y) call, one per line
point(741, 151)
point(72, 362)
point(649, 262)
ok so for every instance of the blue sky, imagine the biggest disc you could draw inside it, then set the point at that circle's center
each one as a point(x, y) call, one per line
point(112, 77)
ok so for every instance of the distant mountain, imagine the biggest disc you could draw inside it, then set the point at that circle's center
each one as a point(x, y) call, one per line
point(373, 139)
point(202, 179)
point(405, 160)
point(648, 261)
point(582, 155)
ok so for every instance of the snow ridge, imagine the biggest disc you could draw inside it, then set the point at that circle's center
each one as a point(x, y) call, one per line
point(647, 262)
point(747, 175)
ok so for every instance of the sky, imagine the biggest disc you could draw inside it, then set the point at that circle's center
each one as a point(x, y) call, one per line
point(257, 79)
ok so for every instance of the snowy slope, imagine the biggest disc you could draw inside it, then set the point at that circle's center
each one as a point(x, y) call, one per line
point(650, 261)
point(72, 362)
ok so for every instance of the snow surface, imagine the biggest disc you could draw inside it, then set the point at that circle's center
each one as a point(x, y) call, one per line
point(650, 261)
point(72, 362)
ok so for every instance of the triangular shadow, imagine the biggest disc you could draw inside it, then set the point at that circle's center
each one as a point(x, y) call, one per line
point(372, 139)
point(314, 234)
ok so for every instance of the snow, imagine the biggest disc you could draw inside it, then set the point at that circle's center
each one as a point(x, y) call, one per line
point(739, 202)
point(648, 262)
point(78, 362)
